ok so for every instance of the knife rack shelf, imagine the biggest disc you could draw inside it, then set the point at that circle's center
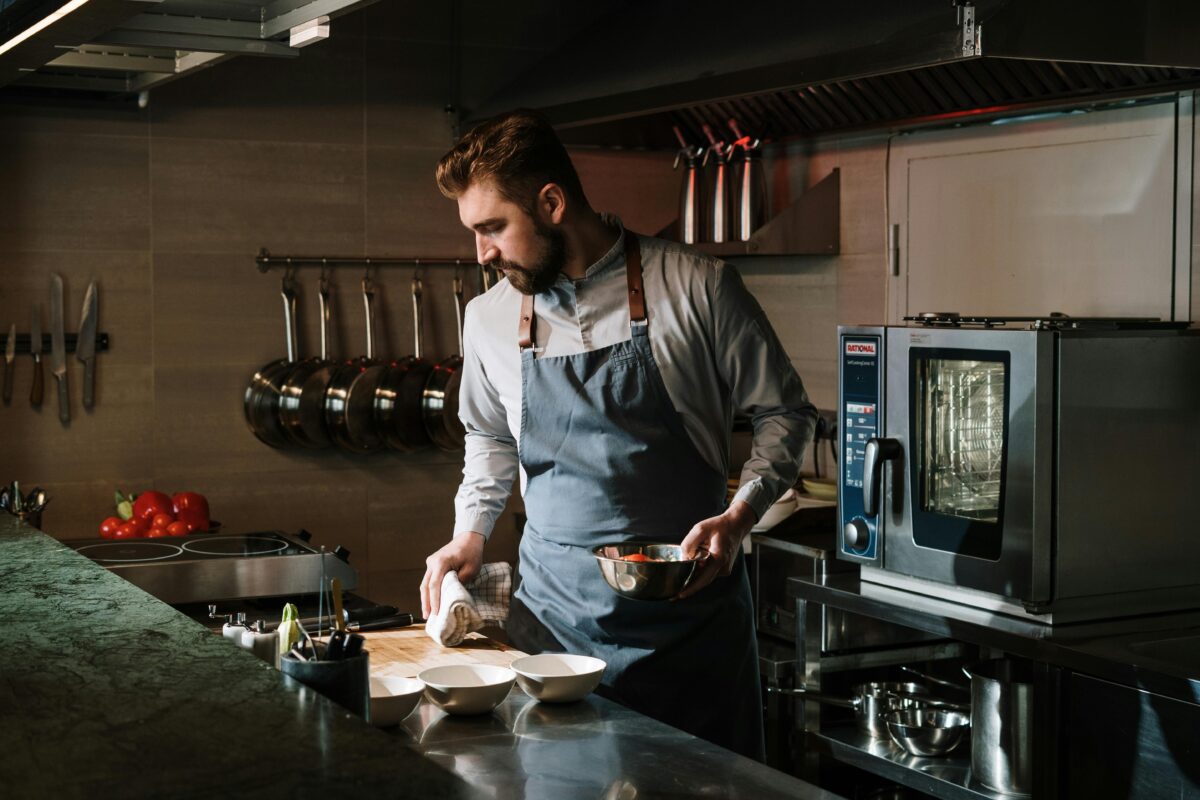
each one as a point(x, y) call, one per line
point(69, 339)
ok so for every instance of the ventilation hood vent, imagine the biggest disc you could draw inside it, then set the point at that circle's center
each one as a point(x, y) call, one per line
point(800, 67)
point(119, 48)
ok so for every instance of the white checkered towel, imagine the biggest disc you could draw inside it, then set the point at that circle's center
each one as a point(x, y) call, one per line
point(481, 602)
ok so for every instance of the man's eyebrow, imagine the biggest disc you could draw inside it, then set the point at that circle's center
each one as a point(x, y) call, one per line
point(487, 223)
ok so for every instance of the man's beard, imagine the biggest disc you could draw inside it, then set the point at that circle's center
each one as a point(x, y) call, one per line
point(541, 275)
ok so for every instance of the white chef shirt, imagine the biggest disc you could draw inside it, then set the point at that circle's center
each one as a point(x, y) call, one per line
point(713, 345)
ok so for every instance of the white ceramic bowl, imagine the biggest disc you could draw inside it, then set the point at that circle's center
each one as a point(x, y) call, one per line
point(467, 688)
point(558, 677)
point(393, 698)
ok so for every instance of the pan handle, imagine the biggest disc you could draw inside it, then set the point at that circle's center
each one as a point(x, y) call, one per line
point(416, 294)
point(940, 681)
point(288, 292)
point(368, 289)
point(808, 694)
point(458, 293)
point(323, 298)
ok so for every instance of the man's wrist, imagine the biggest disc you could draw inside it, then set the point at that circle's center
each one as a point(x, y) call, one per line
point(742, 515)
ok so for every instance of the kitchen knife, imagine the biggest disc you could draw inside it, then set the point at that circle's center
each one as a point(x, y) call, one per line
point(35, 347)
point(58, 347)
point(85, 344)
point(10, 353)
point(398, 621)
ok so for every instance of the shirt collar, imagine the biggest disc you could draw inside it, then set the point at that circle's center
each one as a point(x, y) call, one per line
point(611, 258)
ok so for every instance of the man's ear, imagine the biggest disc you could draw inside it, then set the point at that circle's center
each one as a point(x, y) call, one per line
point(551, 204)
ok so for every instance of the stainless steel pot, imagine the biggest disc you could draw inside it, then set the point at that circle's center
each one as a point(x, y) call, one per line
point(351, 392)
point(302, 396)
point(1002, 725)
point(399, 396)
point(439, 401)
point(871, 702)
point(260, 404)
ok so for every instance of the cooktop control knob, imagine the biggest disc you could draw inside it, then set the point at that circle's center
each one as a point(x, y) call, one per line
point(856, 534)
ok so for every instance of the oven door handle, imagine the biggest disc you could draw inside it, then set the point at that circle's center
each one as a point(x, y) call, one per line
point(877, 452)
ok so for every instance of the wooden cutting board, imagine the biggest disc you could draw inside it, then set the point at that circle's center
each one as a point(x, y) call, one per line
point(407, 651)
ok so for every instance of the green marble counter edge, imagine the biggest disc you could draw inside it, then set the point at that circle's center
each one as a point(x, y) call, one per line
point(107, 692)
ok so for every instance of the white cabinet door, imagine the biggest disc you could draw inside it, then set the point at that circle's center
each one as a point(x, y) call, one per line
point(1074, 213)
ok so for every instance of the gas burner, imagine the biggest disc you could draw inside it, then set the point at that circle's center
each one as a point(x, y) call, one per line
point(129, 552)
point(1054, 322)
point(235, 546)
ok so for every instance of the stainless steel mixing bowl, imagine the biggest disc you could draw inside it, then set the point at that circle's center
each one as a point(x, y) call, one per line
point(646, 580)
point(926, 731)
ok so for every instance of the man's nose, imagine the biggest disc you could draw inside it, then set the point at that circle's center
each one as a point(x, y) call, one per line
point(485, 251)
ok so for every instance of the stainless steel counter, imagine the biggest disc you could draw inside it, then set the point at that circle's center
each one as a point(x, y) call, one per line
point(593, 748)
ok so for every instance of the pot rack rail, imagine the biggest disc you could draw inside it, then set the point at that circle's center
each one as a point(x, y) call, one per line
point(266, 261)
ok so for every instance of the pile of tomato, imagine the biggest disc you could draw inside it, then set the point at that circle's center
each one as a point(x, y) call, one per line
point(153, 515)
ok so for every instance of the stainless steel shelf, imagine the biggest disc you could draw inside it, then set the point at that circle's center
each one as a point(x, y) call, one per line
point(946, 778)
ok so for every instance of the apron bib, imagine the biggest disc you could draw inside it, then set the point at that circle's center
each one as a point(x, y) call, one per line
point(607, 459)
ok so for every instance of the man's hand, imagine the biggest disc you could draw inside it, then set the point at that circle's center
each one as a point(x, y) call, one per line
point(722, 538)
point(463, 554)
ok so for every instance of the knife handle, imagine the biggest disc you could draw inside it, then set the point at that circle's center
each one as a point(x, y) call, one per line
point(64, 400)
point(8, 378)
point(35, 394)
point(89, 383)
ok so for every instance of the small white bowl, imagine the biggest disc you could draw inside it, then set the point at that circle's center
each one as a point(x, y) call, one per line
point(393, 698)
point(467, 688)
point(558, 677)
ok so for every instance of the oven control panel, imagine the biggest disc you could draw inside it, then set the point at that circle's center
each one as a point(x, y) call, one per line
point(860, 408)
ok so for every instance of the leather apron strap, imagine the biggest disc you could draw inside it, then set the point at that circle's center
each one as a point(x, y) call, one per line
point(527, 328)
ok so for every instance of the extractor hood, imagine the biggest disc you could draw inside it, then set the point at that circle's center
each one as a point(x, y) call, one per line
point(803, 67)
point(119, 48)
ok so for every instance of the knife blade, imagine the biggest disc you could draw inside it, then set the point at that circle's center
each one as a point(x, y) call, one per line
point(85, 345)
point(58, 347)
point(35, 347)
point(10, 353)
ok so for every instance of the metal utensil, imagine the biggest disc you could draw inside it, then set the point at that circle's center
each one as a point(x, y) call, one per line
point(871, 702)
point(1002, 713)
point(10, 353)
point(661, 577)
point(85, 344)
point(58, 348)
point(927, 732)
point(35, 348)
point(335, 592)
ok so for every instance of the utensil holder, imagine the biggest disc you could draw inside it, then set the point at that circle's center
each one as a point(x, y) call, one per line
point(345, 681)
point(31, 518)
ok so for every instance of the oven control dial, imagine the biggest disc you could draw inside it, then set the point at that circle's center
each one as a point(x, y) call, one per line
point(856, 534)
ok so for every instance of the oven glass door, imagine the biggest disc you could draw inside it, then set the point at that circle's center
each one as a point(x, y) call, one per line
point(959, 412)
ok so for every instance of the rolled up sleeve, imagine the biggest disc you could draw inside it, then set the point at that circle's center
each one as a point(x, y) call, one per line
point(490, 463)
point(764, 386)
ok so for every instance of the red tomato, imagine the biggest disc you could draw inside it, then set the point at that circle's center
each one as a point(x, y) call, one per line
point(195, 520)
point(127, 531)
point(178, 529)
point(109, 526)
point(192, 508)
point(150, 503)
point(140, 526)
point(161, 521)
point(156, 533)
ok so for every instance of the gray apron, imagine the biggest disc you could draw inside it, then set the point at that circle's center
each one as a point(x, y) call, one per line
point(607, 459)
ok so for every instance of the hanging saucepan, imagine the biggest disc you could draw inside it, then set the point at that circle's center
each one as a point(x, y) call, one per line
point(262, 398)
point(871, 702)
point(302, 402)
point(439, 402)
point(351, 392)
point(399, 396)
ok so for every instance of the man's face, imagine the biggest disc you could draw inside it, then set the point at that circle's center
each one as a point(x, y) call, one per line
point(530, 253)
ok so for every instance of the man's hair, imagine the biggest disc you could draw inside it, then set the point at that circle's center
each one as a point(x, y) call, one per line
point(519, 152)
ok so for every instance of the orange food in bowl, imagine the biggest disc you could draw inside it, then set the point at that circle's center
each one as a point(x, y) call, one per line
point(641, 558)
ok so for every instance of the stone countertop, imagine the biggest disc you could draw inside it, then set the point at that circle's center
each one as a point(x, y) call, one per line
point(1156, 652)
point(107, 692)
